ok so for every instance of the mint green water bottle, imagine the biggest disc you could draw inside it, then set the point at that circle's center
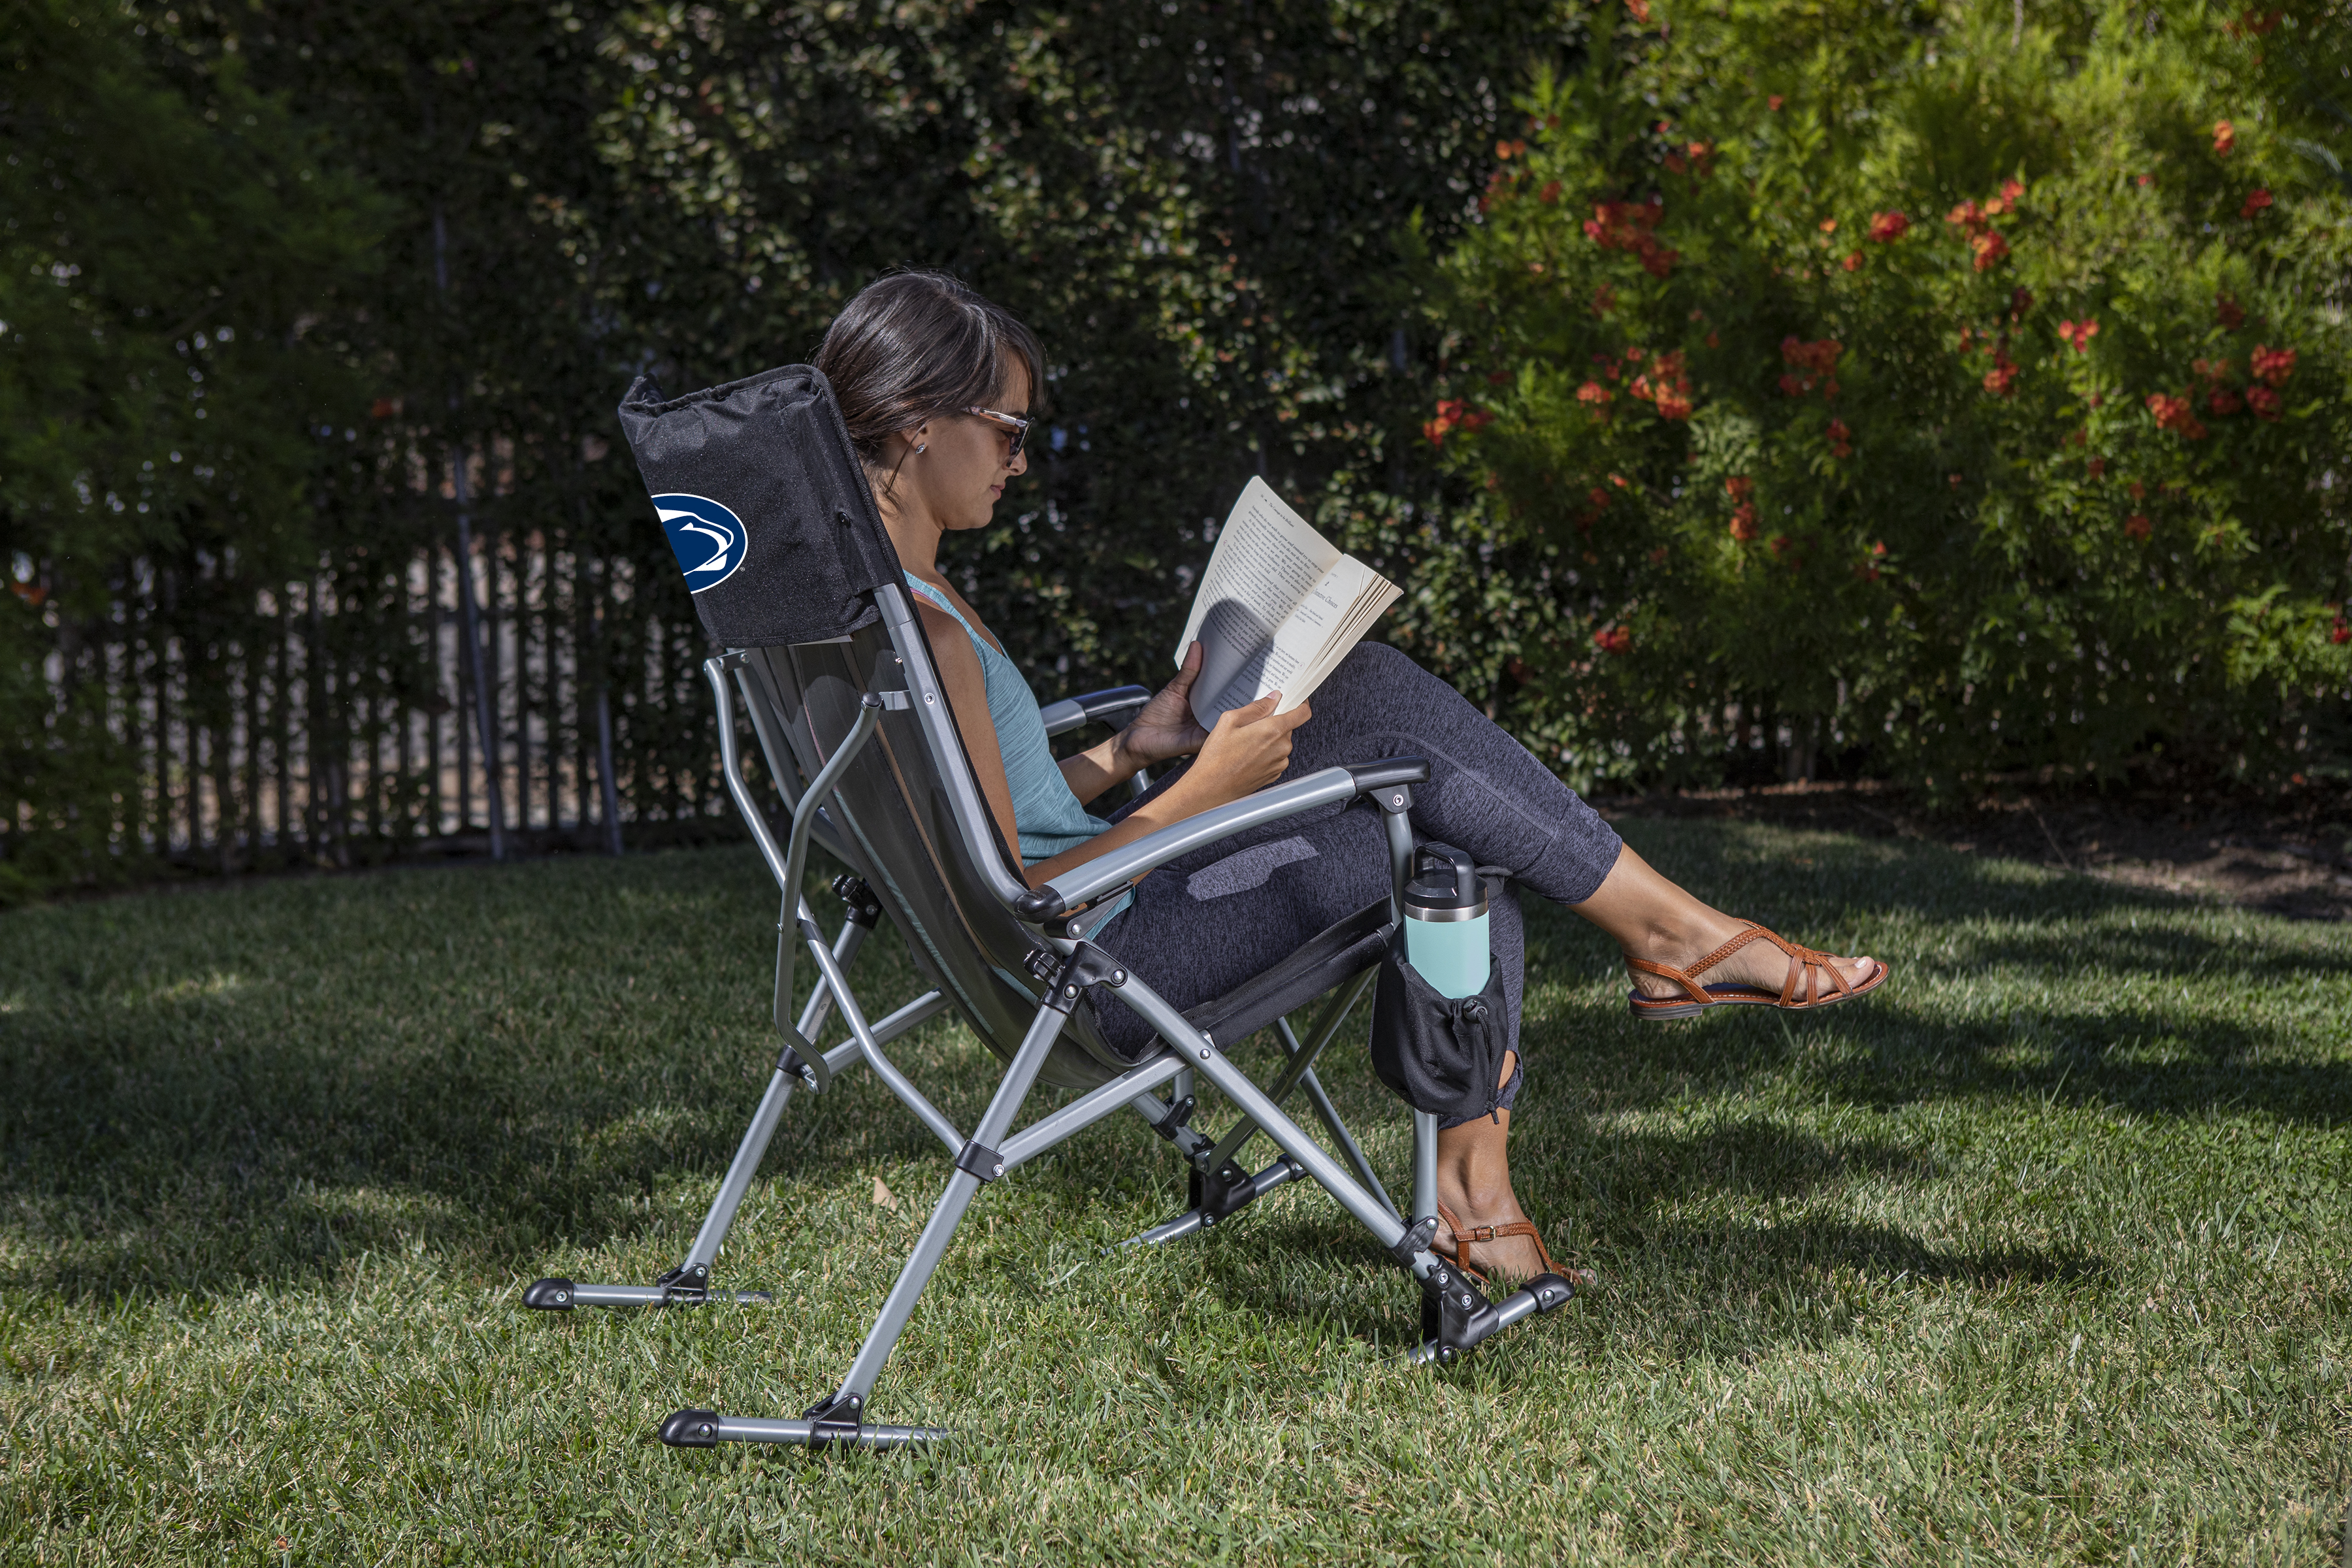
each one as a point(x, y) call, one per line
point(1446, 921)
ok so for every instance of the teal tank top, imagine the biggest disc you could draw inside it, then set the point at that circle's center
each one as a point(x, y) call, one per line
point(1046, 815)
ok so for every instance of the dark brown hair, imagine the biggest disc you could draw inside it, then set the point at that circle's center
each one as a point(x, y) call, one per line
point(915, 345)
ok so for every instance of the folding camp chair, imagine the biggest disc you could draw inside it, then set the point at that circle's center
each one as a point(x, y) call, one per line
point(857, 738)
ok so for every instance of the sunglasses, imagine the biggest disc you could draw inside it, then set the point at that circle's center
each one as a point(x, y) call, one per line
point(1016, 428)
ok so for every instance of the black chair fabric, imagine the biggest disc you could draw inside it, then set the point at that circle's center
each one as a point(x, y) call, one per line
point(766, 505)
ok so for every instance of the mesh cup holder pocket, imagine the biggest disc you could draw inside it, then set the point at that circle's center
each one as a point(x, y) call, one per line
point(1438, 1054)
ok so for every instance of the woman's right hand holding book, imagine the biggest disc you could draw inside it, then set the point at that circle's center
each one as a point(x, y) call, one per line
point(1247, 750)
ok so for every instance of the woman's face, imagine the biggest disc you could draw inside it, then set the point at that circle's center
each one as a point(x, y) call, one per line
point(962, 469)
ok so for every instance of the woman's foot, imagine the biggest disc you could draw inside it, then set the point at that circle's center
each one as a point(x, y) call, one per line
point(1475, 1200)
point(1514, 1258)
point(1659, 922)
point(1761, 962)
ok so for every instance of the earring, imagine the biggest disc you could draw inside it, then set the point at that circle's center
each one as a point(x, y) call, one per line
point(922, 447)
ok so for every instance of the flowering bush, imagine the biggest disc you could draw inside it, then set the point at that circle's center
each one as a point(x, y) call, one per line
point(2056, 481)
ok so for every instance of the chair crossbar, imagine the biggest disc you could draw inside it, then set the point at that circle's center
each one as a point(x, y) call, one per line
point(1302, 1060)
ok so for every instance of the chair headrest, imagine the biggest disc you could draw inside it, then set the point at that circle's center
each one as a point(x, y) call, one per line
point(766, 505)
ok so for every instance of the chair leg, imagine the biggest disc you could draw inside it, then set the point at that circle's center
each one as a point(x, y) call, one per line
point(1457, 1315)
point(688, 1283)
point(839, 1418)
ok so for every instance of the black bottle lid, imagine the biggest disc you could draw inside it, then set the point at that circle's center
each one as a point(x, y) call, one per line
point(1445, 885)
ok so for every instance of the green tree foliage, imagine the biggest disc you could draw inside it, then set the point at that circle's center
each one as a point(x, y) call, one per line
point(1959, 387)
point(166, 264)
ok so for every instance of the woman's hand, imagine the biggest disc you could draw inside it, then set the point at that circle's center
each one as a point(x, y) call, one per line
point(1246, 752)
point(1165, 727)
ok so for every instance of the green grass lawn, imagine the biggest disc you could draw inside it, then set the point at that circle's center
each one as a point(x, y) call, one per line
point(2043, 1256)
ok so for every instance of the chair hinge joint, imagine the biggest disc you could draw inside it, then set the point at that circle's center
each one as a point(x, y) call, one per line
point(978, 1159)
point(1415, 1240)
point(1087, 966)
point(865, 908)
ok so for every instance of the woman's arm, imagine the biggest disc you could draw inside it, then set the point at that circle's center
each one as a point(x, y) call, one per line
point(1246, 752)
point(967, 693)
point(1165, 728)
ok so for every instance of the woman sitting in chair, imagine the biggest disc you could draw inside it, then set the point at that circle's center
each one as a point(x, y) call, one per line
point(934, 384)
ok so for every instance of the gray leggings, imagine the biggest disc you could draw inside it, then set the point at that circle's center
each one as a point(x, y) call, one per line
point(1202, 925)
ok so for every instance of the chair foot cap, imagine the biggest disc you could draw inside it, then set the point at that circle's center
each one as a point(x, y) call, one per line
point(549, 1295)
point(691, 1429)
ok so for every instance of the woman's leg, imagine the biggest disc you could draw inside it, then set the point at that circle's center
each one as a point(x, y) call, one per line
point(1488, 796)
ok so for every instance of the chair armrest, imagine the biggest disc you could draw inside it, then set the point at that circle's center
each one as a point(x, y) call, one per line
point(1072, 712)
point(1083, 884)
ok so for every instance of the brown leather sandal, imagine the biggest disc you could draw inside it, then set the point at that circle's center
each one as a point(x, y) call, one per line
point(1583, 1279)
point(1807, 970)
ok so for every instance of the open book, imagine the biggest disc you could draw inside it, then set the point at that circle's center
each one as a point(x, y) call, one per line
point(1277, 610)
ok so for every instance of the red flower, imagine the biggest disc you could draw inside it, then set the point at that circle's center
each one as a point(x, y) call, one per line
point(2265, 403)
point(1739, 487)
point(2174, 413)
point(1594, 394)
point(2273, 366)
point(2256, 200)
point(2079, 334)
point(2138, 490)
point(1841, 439)
point(1598, 496)
point(1743, 521)
point(1452, 413)
point(2343, 633)
point(1989, 246)
point(1640, 10)
point(2145, 181)
point(1774, 102)
point(1854, 262)
point(1672, 406)
point(2001, 379)
point(2225, 138)
point(1968, 214)
point(1887, 227)
point(2225, 402)
point(2138, 526)
point(2097, 466)
point(1604, 300)
point(1819, 357)
point(2010, 190)
point(2229, 311)
point(1615, 640)
point(1625, 225)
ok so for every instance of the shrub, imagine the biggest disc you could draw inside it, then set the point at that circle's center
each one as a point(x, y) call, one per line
point(1965, 399)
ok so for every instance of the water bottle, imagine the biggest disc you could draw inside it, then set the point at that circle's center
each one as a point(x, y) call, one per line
point(1446, 921)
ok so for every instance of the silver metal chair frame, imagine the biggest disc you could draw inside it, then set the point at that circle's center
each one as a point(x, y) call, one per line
point(889, 792)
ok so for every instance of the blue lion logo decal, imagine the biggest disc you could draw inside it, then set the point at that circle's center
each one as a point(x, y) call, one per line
point(708, 539)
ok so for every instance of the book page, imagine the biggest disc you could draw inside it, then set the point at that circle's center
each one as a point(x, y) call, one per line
point(1268, 561)
point(1343, 607)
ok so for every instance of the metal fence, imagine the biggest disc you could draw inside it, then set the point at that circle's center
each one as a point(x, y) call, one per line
point(339, 718)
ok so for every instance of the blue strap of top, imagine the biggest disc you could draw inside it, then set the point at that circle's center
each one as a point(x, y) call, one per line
point(1048, 816)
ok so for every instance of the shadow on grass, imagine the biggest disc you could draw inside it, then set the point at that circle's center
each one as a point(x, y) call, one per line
point(362, 1092)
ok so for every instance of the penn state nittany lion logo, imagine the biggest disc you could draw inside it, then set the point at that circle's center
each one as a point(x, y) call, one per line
point(707, 538)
